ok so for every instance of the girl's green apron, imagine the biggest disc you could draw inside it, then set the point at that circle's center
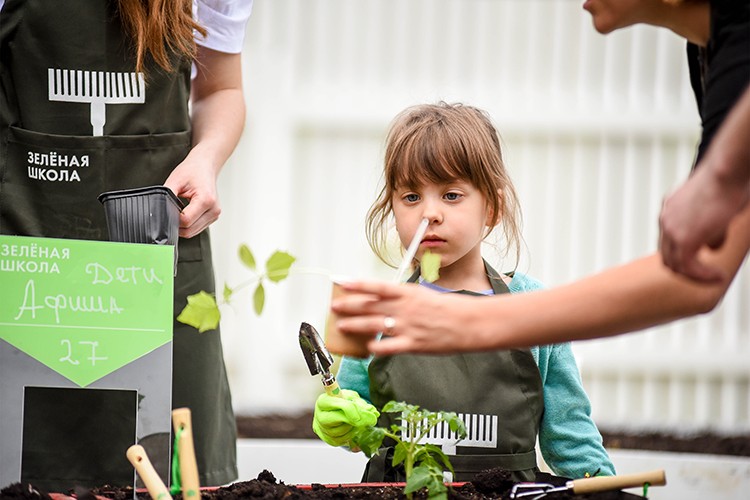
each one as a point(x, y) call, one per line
point(52, 168)
point(502, 383)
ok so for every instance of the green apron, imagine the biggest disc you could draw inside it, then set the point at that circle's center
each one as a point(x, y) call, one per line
point(60, 147)
point(505, 384)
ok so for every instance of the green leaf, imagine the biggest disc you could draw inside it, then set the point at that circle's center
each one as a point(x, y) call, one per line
point(425, 477)
point(430, 266)
point(457, 425)
point(227, 293)
point(369, 439)
point(398, 407)
point(277, 266)
point(420, 478)
point(259, 298)
point(201, 312)
point(246, 256)
point(400, 451)
point(436, 453)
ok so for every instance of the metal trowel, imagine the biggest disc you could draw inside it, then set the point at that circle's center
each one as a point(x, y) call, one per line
point(536, 491)
point(319, 360)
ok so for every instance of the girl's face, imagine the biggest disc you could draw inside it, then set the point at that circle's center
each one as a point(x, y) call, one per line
point(610, 15)
point(458, 217)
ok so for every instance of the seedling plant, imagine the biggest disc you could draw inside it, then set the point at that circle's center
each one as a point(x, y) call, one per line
point(202, 309)
point(423, 463)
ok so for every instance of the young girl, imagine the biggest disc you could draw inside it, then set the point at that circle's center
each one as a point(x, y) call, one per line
point(443, 162)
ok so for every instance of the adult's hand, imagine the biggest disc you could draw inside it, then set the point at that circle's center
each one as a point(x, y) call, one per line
point(700, 211)
point(193, 181)
point(698, 214)
point(423, 319)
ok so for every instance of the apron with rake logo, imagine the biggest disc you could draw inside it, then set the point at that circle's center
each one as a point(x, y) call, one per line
point(77, 120)
point(498, 395)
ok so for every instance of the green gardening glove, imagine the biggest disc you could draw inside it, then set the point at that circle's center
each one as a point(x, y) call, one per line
point(338, 418)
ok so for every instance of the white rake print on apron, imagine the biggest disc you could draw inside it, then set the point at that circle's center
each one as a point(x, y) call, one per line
point(481, 432)
point(97, 88)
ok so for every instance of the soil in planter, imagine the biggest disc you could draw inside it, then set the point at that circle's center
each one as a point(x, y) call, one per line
point(492, 484)
point(299, 426)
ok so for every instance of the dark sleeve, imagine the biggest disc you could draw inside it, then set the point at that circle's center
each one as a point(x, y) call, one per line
point(728, 65)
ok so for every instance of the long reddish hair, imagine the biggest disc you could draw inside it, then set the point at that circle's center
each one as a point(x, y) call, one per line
point(160, 28)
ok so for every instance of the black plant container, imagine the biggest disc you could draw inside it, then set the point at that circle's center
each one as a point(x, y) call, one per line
point(143, 215)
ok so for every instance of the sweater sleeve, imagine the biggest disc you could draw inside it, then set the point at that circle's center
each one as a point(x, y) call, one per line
point(568, 437)
point(353, 375)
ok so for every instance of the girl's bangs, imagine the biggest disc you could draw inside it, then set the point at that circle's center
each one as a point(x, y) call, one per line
point(431, 161)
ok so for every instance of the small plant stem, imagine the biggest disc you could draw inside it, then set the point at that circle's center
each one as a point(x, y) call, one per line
point(297, 270)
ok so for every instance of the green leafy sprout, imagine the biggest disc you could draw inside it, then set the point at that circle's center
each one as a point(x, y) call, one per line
point(202, 309)
point(430, 266)
point(423, 463)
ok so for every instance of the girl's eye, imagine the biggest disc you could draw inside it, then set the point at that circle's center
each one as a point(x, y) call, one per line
point(452, 196)
point(411, 197)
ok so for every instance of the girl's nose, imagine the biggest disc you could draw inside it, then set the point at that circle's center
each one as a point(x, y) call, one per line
point(432, 212)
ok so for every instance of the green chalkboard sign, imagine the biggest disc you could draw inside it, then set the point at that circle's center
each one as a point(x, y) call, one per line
point(85, 308)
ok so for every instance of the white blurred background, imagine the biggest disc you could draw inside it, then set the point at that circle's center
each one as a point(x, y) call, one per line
point(596, 130)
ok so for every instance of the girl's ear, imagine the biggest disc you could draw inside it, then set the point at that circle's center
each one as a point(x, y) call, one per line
point(492, 218)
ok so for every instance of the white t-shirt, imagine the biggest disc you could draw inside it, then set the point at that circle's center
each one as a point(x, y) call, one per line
point(225, 21)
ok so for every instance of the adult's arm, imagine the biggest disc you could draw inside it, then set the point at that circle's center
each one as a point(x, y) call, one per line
point(699, 211)
point(629, 297)
point(218, 117)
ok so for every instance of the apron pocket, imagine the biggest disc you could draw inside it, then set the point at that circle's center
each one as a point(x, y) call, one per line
point(50, 183)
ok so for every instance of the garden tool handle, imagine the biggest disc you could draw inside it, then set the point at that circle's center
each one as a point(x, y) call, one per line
point(332, 388)
point(607, 483)
point(181, 420)
point(155, 486)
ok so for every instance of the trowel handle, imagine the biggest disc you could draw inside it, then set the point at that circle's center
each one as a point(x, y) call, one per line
point(155, 486)
point(607, 483)
point(181, 422)
point(332, 387)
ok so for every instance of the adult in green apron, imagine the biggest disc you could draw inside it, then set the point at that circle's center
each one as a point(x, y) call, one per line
point(505, 384)
point(59, 152)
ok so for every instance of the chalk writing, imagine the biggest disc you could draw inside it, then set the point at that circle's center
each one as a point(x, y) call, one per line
point(103, 276)
point(61, 302)
point(93, 358)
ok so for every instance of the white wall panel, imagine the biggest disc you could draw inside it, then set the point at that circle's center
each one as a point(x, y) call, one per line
point(596, 130)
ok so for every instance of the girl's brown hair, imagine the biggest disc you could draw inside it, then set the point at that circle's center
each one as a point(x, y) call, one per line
point(160, 28)
point(442, 143)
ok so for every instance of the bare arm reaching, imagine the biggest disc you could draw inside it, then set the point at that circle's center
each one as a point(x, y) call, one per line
point(218, 116)
point(629, 297)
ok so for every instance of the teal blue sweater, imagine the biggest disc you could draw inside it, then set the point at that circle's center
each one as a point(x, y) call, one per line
point(568, 438)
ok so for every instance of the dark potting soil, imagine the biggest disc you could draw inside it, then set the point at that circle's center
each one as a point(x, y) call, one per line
point(491, 484)
point(299, 426)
